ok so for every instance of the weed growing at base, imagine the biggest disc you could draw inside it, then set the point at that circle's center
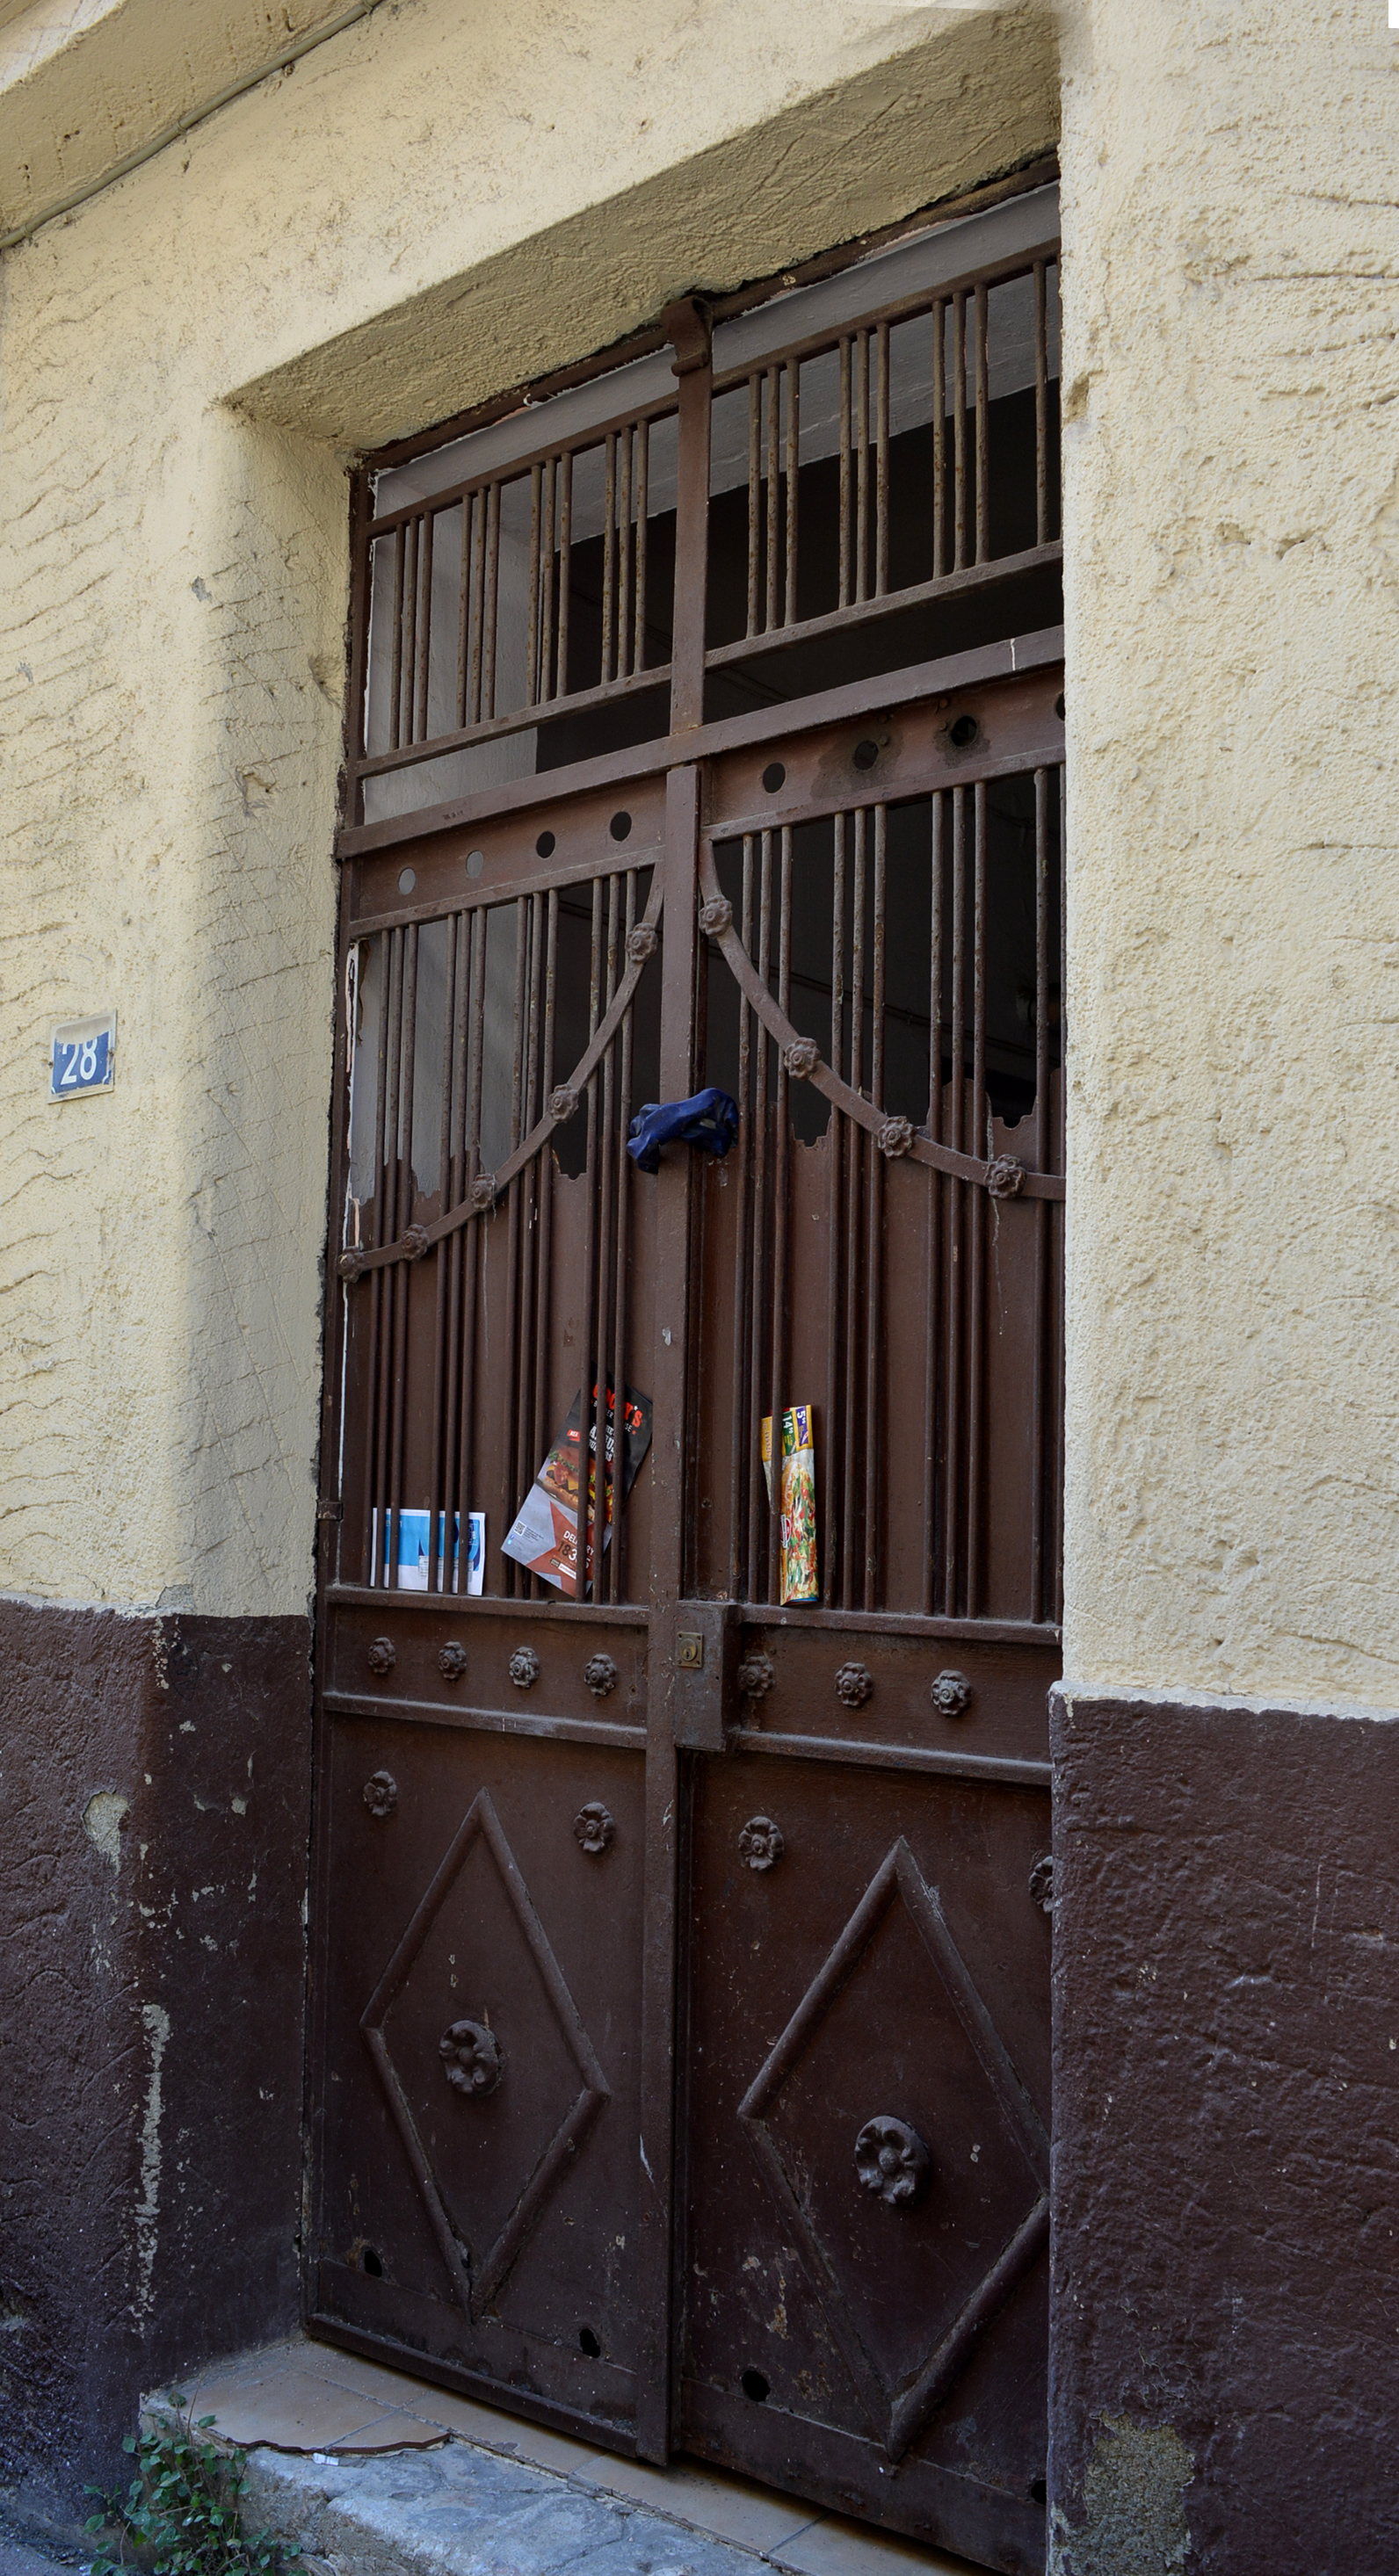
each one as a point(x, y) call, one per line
point(179, 2516)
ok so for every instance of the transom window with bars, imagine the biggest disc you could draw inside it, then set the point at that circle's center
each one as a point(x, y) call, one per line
point(707, 733)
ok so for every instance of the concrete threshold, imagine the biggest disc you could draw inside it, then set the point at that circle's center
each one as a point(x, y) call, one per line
point(373, 2473)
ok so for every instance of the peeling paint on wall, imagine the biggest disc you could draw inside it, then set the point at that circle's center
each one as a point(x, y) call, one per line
point(157, 2022)
point(103, 1817)
point(1134, 2513)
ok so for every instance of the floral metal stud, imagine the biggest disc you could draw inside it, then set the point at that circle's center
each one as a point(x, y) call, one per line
point(755, 1676)
point(1042, 1883)
point(380, 1655)
point(761, 1844)
point(1005, 1177)
point(895, 1136)
point(600, 1674)
point(802, 1058)
point(891, 2159)
point(854, 1684)
point(470, 2055)
point(381, 1794)
point(951, 1694)
point(524, 1668)
point(716, 916)
point(593, 1828)
point(451, 1662)
point(641, 943)
point(563, 1103)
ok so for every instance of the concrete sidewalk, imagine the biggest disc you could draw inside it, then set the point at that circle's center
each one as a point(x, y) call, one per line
point(377, 2474)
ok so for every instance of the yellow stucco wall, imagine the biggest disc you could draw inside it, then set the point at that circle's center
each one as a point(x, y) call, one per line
point(444, 199)
point(447, 198)
point(1232, 524)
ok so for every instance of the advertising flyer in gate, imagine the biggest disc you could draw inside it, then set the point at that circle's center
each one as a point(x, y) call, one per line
point(544, 1535)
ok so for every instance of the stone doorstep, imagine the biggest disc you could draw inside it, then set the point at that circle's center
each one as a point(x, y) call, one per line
point(373, 2473)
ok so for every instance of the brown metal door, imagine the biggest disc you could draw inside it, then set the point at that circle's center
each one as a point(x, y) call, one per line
point(681, 1949)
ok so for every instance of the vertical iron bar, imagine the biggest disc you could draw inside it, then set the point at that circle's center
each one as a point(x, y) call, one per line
point(757, 1550)
point(587, 1522)
point(643, 504)
point(609, 545)
point(515, 1467)
point(862, 465)
point(400, 544)
point(851, 1588)
point(457, 1243)
point(937, 1186)
point(755, 487)
point(403, 1214)
point(881, 465)
point(959, 428)
point(845, 551)
point(976, 1219)
point(465, 619)
point(492, 599)
point(624, 558)
point(383, 1393)
point(874, 1246)
point(956, 1197)
point(603, 1416)
point(474, 1245)
point(742, 1434)
point(565, 568)
point(1041, 407)
point(691, 551)
point(542, 1426)
point(377, 1278)
point(620, 1269)
point(828, 1458)
point(429, 524)
point(658, 2251)
point(532, 639)
point(527, 1185)
point(410, 628)
point(478, 604)
point(983, 425)
point(437, 1555)
point(547, 687)
point(772, 461)
point(939, 439)
point(1038, 1405)
point(793, 500)
point(777, 1391)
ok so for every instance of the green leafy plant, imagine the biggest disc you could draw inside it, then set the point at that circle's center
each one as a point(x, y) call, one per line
point(179, 2516)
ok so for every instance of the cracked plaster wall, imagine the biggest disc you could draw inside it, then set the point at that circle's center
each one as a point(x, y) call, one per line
point(1231, 362)
point(400, 225)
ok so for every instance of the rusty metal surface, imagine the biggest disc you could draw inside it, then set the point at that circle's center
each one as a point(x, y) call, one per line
point(680, 1991)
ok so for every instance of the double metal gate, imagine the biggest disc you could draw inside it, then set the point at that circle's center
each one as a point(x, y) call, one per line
point(681, 1945)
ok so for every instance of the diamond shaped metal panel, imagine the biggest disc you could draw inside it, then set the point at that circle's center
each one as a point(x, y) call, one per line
point(899, 2406)
point(549, 2145)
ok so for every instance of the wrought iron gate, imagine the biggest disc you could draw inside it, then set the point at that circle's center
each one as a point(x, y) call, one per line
point(681, 1957)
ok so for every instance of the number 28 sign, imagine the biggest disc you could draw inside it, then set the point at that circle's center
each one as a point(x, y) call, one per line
point(83, 1056)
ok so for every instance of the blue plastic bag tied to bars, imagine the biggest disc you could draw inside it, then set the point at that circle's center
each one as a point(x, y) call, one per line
point(710, 1121)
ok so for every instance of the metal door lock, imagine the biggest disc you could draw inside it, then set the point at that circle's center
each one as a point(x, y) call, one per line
point(689, 1650)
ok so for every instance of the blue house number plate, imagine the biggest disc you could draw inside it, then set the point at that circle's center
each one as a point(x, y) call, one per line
point(83, 1056)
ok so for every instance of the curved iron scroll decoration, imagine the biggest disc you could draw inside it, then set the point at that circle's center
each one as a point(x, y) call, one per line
point(489, 1186)
point(1002, 1177)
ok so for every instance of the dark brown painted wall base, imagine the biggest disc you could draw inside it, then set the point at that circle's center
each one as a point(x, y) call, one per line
point(1226, 2156)
point(152, 1970)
